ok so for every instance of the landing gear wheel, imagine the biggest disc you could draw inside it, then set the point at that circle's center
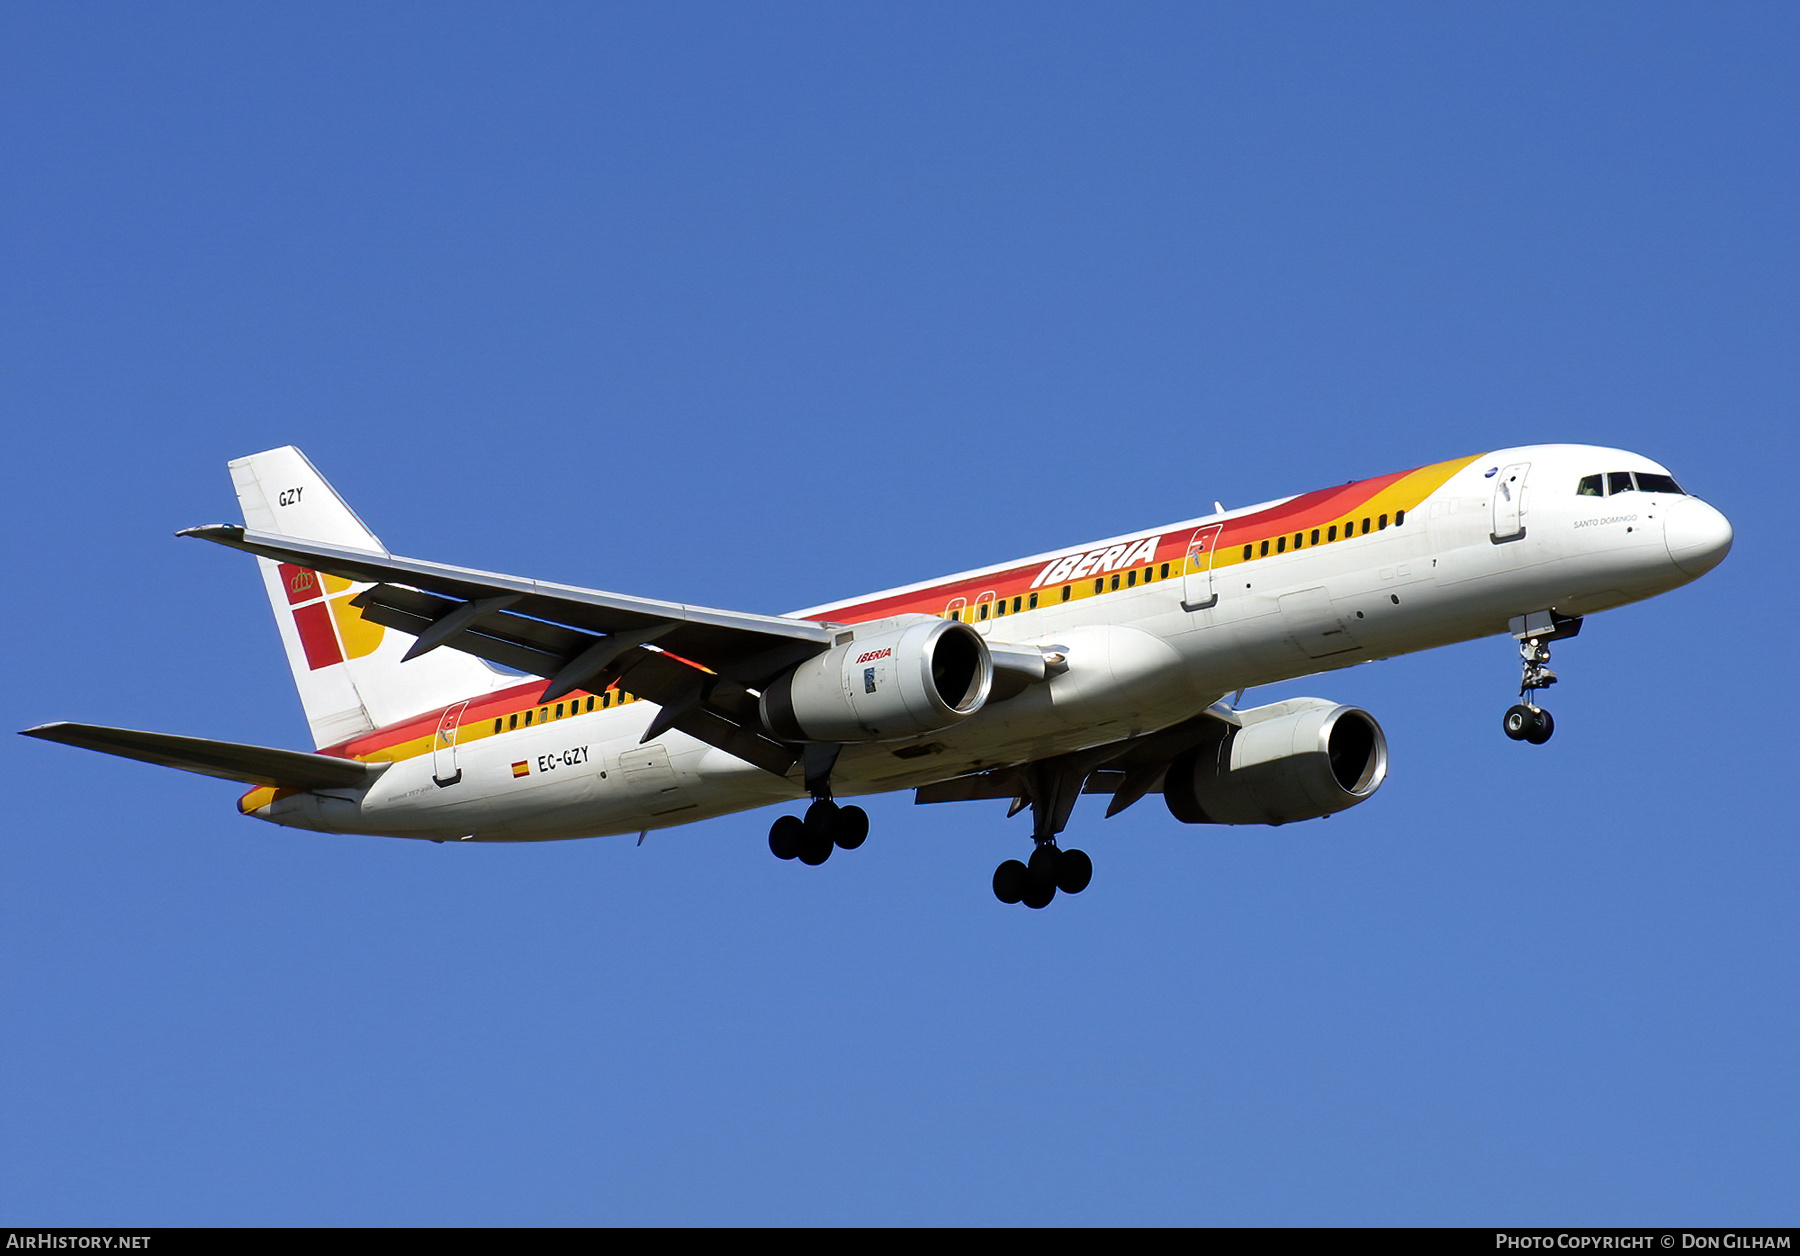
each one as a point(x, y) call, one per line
point(1541, 728)
point(1045, 861)
point(786, 836)
point(1519, 722)
point(820, 827)
point(1009, 881)
point(1073, 871)
point(1037, 891)
point(852, 827)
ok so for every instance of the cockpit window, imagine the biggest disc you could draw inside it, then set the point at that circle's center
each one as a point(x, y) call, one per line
point(1618, 482)
point(1590, 486)
point(1658, 484)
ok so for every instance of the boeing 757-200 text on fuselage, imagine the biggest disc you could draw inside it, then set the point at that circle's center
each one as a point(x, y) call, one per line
point(1101, 669)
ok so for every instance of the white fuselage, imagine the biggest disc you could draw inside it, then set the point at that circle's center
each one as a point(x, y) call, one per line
point(1137, 659)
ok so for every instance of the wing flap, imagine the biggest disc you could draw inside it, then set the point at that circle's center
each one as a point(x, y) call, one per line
point(227, 760)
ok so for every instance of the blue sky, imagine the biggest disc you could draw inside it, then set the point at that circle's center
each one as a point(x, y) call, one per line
point(763, 306)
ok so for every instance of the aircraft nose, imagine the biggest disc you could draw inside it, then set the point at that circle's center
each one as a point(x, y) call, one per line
point(1697, 535)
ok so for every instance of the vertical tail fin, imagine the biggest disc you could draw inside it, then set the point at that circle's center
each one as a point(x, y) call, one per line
point(348, 670)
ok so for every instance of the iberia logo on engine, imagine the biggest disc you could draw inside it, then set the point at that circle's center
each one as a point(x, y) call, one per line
point(872, 655)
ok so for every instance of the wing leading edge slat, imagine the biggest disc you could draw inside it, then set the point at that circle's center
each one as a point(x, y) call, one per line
point(701, 666)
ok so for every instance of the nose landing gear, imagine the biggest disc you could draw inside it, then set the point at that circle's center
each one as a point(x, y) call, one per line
point(1527, 721)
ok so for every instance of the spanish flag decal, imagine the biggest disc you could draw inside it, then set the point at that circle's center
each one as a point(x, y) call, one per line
point(521, 768)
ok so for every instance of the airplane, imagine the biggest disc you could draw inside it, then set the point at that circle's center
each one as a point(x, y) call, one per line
point(455, 705)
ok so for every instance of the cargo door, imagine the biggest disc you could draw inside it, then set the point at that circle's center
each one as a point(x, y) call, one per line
point(1509, 503)
point(651, 781)
point(1197, 591)
point(1314, 624)
point(444, 772)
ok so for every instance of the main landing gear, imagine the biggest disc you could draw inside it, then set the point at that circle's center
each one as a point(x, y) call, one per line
point(1526, 720)
point(1050, 788)
point(1036, 883)
point(826, 825)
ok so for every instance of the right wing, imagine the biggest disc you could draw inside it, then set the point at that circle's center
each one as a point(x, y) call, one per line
point(703, 667)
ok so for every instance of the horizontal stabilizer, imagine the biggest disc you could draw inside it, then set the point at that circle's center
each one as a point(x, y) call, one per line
point(228, 760)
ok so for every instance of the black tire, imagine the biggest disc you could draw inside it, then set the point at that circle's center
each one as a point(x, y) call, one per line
point(814, 849)
point(1073, 871)
point(852, 827)
point(1044, 863)
point(1541, 728)
point(821, 817)
point(1009, 881)
point(1037, 891)
point(1519, 722)
point(786, 836)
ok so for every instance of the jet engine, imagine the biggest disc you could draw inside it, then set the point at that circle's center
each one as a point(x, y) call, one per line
point(1288, 761)
point(893, 683)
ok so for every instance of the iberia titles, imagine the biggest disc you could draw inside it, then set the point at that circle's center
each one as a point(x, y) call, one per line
point(1094, 562)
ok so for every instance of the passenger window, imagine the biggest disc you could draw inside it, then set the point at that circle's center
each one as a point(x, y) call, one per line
point(1066, 588)
point(1246, 555)
point(1033, 602)
point(1349, 528)
point(999, 608)
point(605, 700)
point(559, 710)
point(1100, 585)
point(1590, 487)
point(981, 611)
point(1298, 536)
point(514, 721)
point(1365, 527)
point(1399, 517)
point(590, 702)
point(1265, 550)
point(497, 724)
point(1130, 578)
point(543, 714)
point(1331, 533)
point(1658, 484)
point(1383, 523)
point(1016, 604)
point(528, 719)
point(1115, 584)
point(1618, 482)
point(1315, 536)
point(1281, 545)
point(1165, 567)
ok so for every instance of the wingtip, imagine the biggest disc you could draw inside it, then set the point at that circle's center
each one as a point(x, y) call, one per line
point(214, 532)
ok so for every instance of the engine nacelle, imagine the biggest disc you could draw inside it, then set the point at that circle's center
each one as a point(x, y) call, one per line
point(890, 684)
point(1294, 760)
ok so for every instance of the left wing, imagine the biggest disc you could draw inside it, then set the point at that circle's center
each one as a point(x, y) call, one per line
point(703, 667)
point(228, 760)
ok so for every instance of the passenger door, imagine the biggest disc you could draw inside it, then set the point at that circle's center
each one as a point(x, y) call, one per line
point(1197, 592)
point(1509, 503)
point(444, 772)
